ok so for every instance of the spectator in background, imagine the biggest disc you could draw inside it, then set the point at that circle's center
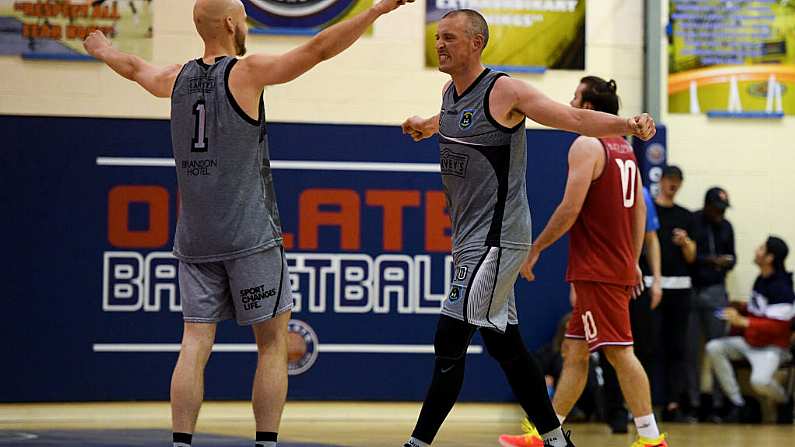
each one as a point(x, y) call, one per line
point(678, 252)
point(764, 327)
point(642, 320)
point(716, 257)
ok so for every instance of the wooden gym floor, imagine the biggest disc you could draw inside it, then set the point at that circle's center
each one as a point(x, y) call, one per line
point(343, 424)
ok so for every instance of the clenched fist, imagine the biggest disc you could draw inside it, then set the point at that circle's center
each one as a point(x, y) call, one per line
point(385, 6)
point(642, 126)
point(95, 43)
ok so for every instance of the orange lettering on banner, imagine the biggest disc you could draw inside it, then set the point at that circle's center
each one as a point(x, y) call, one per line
point(288, 241)
point(119, 200)
point(393, 202)
point(80, 32)
point(437, 223)
point(312, 217)
point(34, 31)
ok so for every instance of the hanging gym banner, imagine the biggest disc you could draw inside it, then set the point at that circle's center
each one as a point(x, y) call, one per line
point(309, 16)
point(732, 57)
point(56, 29)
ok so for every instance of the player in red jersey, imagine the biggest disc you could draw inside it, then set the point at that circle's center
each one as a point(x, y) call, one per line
point(604, 212)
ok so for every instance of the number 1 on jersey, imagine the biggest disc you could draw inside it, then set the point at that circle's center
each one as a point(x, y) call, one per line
point(200, 136)
point(629, 178)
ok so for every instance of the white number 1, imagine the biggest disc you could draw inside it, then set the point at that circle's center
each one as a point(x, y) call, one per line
point(629, 175)
point(200, 136)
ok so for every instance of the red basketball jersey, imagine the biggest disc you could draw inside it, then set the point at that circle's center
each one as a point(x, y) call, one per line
point(600, 242)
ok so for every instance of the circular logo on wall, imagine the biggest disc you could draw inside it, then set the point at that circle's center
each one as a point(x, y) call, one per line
point(655, 153)
point(655, 174)
point(302, 347)
point(296, 13)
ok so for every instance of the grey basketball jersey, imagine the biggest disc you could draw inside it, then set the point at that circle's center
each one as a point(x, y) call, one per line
point(483, 170)
point(227, 206)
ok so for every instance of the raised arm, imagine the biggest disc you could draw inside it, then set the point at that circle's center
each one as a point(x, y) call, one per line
point(260, 70)
point(532, 103)
point(158, 81)
point(584, 159)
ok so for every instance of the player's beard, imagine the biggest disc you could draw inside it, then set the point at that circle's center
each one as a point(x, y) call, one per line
point(240, 41)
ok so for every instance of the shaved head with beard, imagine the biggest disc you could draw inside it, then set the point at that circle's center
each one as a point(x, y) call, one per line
point(218, 20)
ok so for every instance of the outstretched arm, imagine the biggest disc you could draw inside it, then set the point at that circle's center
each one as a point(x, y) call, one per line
point(538, 107)
point(583, 159)
point(158, 81)
point(261, 70)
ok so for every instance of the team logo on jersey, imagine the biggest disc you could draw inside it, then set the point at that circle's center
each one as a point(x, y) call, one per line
point(456, 292)
point(296, 13)
point(467, 117)
point(302, 347)
point(453, 163)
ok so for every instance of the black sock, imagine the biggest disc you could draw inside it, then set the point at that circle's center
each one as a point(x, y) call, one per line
point(182, 439)
point(266, 438)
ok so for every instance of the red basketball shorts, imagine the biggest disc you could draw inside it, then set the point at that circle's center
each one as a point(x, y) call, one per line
point(600, 315)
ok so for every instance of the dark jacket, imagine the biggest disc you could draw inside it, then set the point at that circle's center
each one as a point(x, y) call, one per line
point(712, 240)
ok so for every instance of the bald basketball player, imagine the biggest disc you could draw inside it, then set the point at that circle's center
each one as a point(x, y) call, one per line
point(483, 151)
point(229, 238)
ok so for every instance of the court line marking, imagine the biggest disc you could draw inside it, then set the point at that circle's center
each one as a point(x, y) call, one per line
point(251, 347)
point(287, 164)
point(15, 437)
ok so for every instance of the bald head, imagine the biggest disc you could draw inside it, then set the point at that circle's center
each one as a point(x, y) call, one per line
point(221, 22)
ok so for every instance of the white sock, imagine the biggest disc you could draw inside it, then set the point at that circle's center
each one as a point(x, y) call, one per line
point(560, 418)
point(555, 438)
point(265, 444)
point(414, 442)
point(181, 444)
point(647, 427)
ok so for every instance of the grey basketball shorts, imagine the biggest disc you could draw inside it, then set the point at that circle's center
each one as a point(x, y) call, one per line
point(250, 289)
point(481, 292)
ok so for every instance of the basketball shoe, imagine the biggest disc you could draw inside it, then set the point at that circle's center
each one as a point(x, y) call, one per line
point(530, 438)
point(644, 442)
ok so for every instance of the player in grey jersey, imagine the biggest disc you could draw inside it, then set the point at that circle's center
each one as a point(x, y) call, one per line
point(483, 160)
point(228, 237)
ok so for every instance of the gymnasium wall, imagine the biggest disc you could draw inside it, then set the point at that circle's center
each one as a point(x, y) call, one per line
point(753, 160)
point(97, 298)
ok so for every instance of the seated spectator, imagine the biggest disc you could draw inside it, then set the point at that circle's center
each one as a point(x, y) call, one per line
point(764, 331)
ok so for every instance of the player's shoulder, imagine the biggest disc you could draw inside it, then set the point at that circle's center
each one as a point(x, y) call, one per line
point(586, 145)
point(507, 84)
point(254, 63)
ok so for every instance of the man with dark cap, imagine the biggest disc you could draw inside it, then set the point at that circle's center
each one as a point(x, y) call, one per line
point(764, 330)
point(715, 258)
point(677, 252)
